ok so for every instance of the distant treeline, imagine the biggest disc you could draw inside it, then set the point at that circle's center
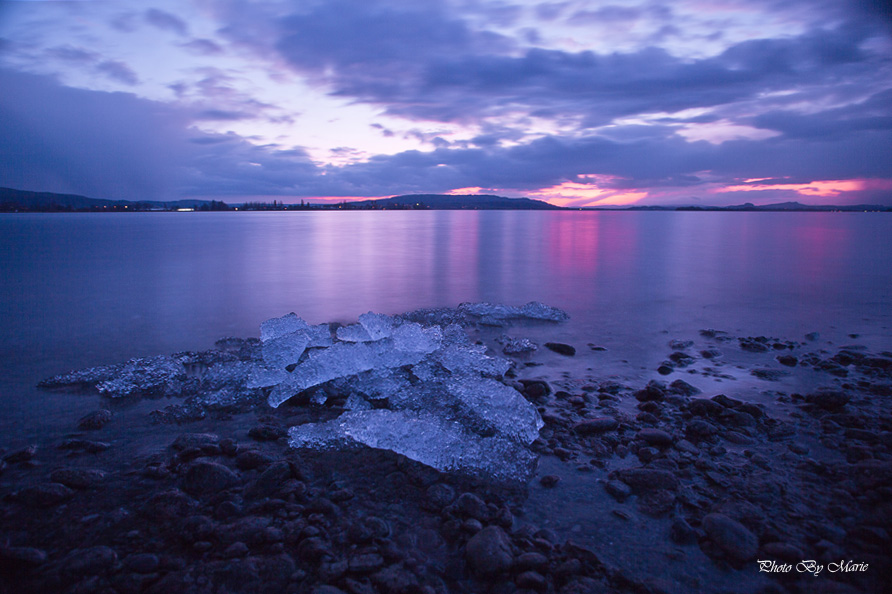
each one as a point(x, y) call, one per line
point(13, 206)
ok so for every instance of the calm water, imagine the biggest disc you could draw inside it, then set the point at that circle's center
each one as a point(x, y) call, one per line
point(83, 289)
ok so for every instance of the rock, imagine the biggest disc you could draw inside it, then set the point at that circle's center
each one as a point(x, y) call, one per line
point(396, 580)
point(251, 459)
point(788, 360)
point(89, 561)
point(236, 550)
point(142, 563)
point(208, 478)
point(470, 505)
point(828, 399)
point(770, 375)
point(78, 478)
point(698, 428)
point(366, 563)
point(597, 425)
point(531, 561)
point(704, 407)
point(327, 589)
point(549, 481)
point(440, 495)
point(84, 445)
point(44, 495)
point(655, 437)
point(648, 479)
point(271, 480)
point(683, 388)
point(561, 348)
point(783, 551)
point(313, 549)
point(21, 557)
point(653, 391)
point(732, 537)
point(95, 420)
point(21, 455)
point(586, 585)
point(535, 389)
point(488, 553)
point(618, 490)
point(531, 580)
point(267, 433)
point(206, 442)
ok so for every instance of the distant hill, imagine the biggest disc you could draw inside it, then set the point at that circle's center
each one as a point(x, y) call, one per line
point(22, 200)
point(450, 202)
point(779, 207)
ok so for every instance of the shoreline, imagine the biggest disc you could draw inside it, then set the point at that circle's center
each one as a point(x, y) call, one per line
point(711, 483)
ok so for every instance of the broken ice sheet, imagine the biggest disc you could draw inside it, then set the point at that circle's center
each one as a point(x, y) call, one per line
point(407, 346)
point(371, 327)
point(435, 442)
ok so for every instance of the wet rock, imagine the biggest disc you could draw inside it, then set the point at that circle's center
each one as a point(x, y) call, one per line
point(531, 561)
point(683, 388)
point(267, 433)
point(84, 445)
point(770, 375)
point(142, 562)
point(704, 407)
point(313, 549)
point(531, 580)
point(597, 425)
point(732, 537)
point(828, 399)
point(272, 479)
point(251, 459)
point(208, 478)
point(21, 557)
point(95, 420)
point(655, 437)
point(327, 589)
point(653, 391)
point(395, 579)
point(698, 429)
point(25, 454)
point(205, 442)
point(470, 505)
point(648, 479)
point(535, 389)
point(365, 564)
point(586, 585)
point(89, 561)
point(488, 553)
point(788, 360)
point(561, 348)
point(44, 495)
point(236, 550)
point(783, 551)
point(618, 490)
point(549, 481)
point(440, 495)
point(78, 478)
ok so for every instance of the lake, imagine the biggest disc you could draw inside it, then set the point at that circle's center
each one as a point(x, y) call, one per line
point(88, 289)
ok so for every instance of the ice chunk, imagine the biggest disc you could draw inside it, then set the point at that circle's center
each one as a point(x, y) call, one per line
point(408, 346)
point(357, 402)
point(438, 443)
point(353, 333)
point(539, 311)
point(264, 377)
point(276, 327)
point(487, 314)
point(282, 351)
point(516, 346)
point(155, 376)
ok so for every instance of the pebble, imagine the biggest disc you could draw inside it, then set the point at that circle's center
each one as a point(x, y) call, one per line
point(21, 455)
point(732, 537)
point(561, 348)
point(208, 478)
point(549, 480)
point(656, 437)
point(618, 490)
point(78, 478)
point(488, 553)
point(89, 561)
point(44, 495)
point(95, 420)
point(469, 504)
point(142, 562)
point(596, 425)
point(531, 580)
point(648, 479)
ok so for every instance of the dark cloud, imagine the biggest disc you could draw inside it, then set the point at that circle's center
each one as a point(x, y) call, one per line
point(222, 115)
point(166, 21)
point(118, 71)
point(606, 14)
point(203, 47)
point(72, 54)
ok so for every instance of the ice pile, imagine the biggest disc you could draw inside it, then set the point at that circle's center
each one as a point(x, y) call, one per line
point(424, 391)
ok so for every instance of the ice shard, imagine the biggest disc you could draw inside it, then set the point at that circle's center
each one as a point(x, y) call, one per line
point(438, 443)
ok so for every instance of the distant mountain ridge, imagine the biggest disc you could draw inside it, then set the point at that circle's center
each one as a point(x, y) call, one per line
point(455, 202)
point(778, 207)
point(11, 199)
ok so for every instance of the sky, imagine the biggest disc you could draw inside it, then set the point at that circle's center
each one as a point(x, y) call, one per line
point(577, 102)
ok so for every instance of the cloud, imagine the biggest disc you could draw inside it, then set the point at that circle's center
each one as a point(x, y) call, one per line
point(118, 71)
point(203, 47)
point(166, 21)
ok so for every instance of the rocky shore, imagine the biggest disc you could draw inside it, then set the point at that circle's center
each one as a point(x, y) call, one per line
point(721, 483)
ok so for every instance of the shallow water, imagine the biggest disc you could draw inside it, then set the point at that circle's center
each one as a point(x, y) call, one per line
point(86, 289)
